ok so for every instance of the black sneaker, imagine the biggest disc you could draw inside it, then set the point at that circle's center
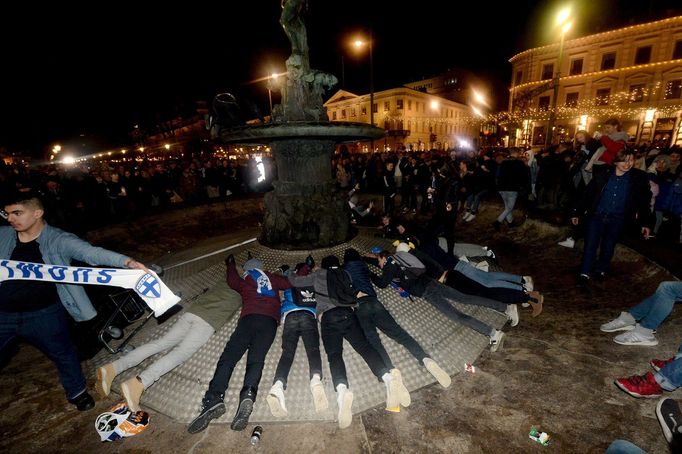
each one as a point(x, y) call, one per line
point(83, 401)
point(209, 410)
point(241, 418)
point(497, 225)
point(600, 276)
point(583, 280)
point(670, 418)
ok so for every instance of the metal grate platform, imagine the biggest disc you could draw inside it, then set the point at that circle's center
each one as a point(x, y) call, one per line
point(178, 394)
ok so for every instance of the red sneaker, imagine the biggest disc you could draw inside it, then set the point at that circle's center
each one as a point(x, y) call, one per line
point(659, 364)
point(640, 385)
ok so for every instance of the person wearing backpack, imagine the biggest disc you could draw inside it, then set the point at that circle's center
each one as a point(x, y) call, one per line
point(298, 318)
point(372, 315)
point(420, 284)
point(333, 292)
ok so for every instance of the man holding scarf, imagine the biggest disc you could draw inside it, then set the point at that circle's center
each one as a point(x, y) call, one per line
point(34, 310)
point(255, 332)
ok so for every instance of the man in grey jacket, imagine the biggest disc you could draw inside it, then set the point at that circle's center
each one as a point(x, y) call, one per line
point(34, 310)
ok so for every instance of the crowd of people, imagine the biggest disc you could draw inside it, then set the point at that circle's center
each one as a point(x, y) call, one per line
point(601, 183)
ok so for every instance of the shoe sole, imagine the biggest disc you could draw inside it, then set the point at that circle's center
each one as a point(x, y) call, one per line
point(496, 346)
point(634, 394)
point(638, 344)
point(400, 391)
point(345, 413)
point(319, 398)
point(101, 386)
point(201, 422)
point(624, 328)
point(241, 419)
point(439, 374)
point(275, 407)
point(513, 321)
point(133, 404)
point(667, 433)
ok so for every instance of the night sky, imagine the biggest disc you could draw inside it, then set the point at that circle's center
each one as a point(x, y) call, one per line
point(99, 71)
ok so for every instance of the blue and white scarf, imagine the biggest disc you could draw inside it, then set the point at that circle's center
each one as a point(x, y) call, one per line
point(262, 281)
point(148, 286)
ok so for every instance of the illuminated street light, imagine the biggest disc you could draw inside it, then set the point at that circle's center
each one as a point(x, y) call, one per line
point(166, 146)
point(359, 43)
point(562, 20)
point(434, 105)
point(272, 78)
point(141, 149)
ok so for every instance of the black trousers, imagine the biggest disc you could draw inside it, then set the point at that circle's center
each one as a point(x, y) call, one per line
point(297, 324)
point(372, 315)
point(341, 323)
point(254, 333)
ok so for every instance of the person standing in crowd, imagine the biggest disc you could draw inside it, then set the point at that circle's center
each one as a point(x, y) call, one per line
point(612, 199)
point(35, 311)
point(513, 179)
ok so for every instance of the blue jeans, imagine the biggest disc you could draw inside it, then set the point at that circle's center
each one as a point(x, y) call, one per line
point(670, 377)
point(48, 330)
point(603, 232)
point(509, 199)
point(653, 310)
point(623, 447)
point(473, 201)
point(490, 279)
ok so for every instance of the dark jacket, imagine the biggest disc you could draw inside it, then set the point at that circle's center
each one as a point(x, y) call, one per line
point(638, 199)
point(392, 272)
point(360, 276)
point(514, 176)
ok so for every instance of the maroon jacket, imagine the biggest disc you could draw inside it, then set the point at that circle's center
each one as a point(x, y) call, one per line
point(252, 302)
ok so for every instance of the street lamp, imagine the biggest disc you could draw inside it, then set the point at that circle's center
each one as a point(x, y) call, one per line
point(562, 21)
point(358, 44)
point(272, 77)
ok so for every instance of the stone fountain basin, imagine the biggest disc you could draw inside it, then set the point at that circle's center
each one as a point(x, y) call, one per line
point(337, 131)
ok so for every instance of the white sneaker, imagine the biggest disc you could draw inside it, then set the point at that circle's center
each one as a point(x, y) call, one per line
point(528, 284)
point(345, 402)
point(624, 322)
point(438, 373)
point(512, 314)
point(466, 216)
point(483, 266)
point(568, 242)
point(275, 400)
point(471, 217)
point(638, 336)
point(496, 340)
point(319, 396)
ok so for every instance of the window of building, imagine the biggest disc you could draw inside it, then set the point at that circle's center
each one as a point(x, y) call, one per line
point(343, 113)
point(637, 93)
point(352, 111)
point(334, 115)
point(602, 96)
point(547, 71)
point(643, 55)
point(363, 110)
point(608, 61)
point(673, 89)
point(399, 104)
point(387, 106)
point(519, 77)
point(572, 99)
point(576, 67)
point(677, 51)
point(409, 104)
point(375, 107)
point(543, 103)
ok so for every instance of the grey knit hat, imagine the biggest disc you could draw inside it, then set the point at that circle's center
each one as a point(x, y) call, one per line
point(253, 264)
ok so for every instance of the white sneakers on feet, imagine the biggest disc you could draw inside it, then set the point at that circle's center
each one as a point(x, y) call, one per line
point(496, 340)
point(470, 218)
point(344, 400)
point(528, 284)
point(512, 314)
point(624, 322)
point(319, 396)
point(276, 401)
point(637, 336)
point(438, 373)
point(568, 242)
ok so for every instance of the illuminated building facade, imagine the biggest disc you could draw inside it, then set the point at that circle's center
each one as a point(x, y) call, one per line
point(414, 119)
point(632, 73)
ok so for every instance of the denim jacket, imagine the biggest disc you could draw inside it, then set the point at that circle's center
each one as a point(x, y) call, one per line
point(60, 248)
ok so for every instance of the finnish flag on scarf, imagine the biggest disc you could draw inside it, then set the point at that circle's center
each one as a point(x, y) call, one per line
point(148, 286)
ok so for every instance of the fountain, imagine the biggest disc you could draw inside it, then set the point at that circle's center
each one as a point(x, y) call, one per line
point(305, 210)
